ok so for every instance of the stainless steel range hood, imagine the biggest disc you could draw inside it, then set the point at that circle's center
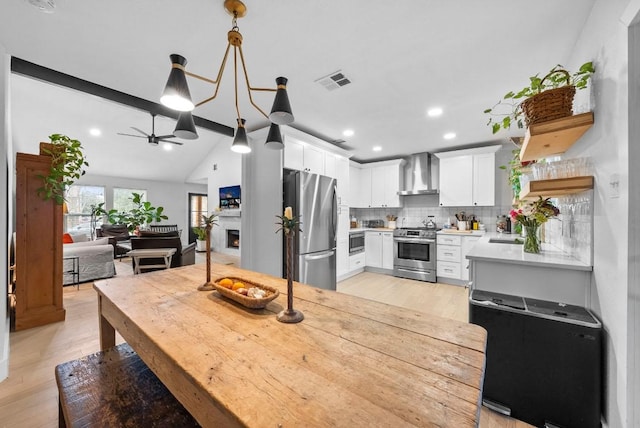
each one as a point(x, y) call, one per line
point(420, 175)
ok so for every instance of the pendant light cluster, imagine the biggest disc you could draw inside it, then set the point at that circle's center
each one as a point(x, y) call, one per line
point(177, 96)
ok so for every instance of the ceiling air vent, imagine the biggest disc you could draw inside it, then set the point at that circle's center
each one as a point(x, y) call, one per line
point(334, 80)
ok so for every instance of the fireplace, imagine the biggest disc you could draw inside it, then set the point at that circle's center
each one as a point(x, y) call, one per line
point(233, 238)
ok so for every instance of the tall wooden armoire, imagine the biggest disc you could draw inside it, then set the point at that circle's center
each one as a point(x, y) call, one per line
point(38, 247)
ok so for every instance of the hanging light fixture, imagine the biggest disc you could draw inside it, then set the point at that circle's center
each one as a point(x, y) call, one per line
point(177, 96)
point(185, 128)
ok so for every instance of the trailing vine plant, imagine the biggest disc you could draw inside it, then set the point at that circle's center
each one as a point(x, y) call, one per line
point(67, 165)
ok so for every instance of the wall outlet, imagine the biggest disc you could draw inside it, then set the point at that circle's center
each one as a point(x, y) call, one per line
point(614, 186)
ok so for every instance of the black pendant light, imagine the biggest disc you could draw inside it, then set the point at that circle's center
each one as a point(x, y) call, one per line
point(176, 93)
point(281, 111)
point(240, 142)
point(186, 128)
point(274, 139)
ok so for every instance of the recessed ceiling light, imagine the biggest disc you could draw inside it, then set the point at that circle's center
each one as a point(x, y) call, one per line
point(434, 112)
point(168, 147)
point(449, 136)
point(348, 132)
point(377, 148)
point(95, 132)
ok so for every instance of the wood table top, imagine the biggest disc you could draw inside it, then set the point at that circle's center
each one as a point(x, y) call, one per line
point(351, 362)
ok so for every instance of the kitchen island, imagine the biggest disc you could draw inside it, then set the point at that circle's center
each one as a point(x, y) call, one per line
point(498, 264)
point(351, 362)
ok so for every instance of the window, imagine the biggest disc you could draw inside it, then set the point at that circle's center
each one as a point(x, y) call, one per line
point(79, 201)
point(122, 198)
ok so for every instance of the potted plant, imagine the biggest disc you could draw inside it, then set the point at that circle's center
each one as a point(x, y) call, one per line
point(547, 98)
point(67, 165)
point(201, 238)
point(142, 213)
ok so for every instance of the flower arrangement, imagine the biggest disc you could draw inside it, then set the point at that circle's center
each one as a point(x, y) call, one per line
point(531, 216)
point(535, 213)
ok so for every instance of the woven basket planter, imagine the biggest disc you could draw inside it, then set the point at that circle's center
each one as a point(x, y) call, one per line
point(550, 104)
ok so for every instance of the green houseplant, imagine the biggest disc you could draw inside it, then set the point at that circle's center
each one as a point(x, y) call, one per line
point(142, 213)
point(67, 165)
point(516, 105)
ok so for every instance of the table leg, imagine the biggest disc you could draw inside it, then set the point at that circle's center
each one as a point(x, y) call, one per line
point(107, 332)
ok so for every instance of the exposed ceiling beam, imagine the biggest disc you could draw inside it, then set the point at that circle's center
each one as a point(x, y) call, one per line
point(29, 69)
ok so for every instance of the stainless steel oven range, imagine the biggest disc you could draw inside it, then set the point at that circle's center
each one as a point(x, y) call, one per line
point(414, 253)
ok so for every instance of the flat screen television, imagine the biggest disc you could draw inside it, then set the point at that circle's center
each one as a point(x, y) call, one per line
point(230, 197)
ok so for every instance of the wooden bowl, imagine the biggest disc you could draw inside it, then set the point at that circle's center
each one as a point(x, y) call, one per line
point(246, 301)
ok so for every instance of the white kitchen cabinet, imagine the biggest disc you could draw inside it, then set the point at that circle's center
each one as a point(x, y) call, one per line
point(456, 176)
point(467, 177)
point(304, 152)
point(303, 157)
point(294, 155)
point(467, 244)
point(451, 261)
point(378, 184)
point(357, 262)
point(378, 249)
point(342, 258)
point(342, 176)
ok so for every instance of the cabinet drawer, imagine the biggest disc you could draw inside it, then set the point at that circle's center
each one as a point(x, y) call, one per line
point(356, 262)
point(448, 253)
point(448, 269)
point(449, 240)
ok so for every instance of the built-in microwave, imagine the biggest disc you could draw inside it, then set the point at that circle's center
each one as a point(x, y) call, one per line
point(356, 242)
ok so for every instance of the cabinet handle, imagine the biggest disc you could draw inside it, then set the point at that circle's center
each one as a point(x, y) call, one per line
point(440, 204)
point(475, 203)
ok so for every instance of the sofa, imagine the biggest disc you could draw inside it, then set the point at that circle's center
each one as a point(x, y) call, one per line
point(185, 255)
point(95, 260)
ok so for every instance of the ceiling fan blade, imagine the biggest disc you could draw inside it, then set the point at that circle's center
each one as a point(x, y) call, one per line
point(131, 135)
point(172, 142)
point(140, 131)
point(166, 136)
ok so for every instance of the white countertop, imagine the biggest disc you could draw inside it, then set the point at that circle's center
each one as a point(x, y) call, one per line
point(550, 256)
point(457, 232)
point(367, 229)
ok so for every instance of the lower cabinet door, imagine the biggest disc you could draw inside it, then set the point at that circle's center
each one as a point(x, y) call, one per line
point(448, 270)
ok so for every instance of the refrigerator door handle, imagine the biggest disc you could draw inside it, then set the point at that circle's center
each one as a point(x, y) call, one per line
point(320, 256)
point(334, 215)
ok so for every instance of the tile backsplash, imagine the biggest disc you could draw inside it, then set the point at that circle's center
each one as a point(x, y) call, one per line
point(571, 231)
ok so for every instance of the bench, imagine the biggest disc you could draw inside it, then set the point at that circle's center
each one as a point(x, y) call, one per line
point(115, 388)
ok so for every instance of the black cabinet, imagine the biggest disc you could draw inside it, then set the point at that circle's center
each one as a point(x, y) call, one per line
point(543, 359)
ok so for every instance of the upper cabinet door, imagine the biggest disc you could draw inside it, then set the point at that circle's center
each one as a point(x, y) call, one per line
point(314, 160)
point(456, 175)
point(342, 177)
point(378, 180)
point(392, 185)
point(330, 165)
point(484, 180)
point(293, 155)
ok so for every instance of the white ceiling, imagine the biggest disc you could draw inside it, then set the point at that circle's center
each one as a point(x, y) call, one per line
point(402, 57)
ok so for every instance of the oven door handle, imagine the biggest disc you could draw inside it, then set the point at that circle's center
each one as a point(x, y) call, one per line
point(417, 241)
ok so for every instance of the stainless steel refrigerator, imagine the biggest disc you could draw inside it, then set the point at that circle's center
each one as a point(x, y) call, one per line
point(313, 198)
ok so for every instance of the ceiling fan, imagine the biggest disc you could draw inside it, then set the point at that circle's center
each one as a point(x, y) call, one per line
point(152, 138)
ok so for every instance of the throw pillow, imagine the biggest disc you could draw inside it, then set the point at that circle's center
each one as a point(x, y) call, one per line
point(99, 241)
point(67, 239)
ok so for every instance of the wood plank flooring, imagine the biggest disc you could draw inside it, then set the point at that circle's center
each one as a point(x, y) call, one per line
point(28, 397)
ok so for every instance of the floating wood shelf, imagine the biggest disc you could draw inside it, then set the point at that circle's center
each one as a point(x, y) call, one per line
point(556, 187)
point(554, 137)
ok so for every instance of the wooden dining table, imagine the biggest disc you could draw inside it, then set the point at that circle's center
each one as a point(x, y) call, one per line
point(351, 362)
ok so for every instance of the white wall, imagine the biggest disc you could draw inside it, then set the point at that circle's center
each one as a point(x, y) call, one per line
point(172, 196)
point(604, 40)
point(223, 169)
point(6, 195)
point(262, 174)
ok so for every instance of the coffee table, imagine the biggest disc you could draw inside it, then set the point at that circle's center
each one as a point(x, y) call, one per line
point(151, 253)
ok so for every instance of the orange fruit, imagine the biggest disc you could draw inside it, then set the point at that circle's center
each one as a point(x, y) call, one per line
point(237, 285)
point(226, 282)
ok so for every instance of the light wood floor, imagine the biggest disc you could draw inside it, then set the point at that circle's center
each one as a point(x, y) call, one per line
point(28, 397)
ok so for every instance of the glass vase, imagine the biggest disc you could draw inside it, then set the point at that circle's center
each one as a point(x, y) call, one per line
point(531, 239)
